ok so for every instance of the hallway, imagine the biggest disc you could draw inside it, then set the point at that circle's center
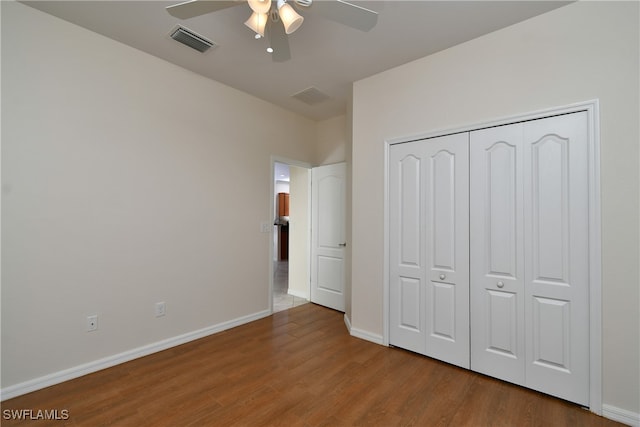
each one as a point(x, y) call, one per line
point(281, 299)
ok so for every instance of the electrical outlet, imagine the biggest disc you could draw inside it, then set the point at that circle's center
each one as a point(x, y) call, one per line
point(92, 323)
point(161, 309)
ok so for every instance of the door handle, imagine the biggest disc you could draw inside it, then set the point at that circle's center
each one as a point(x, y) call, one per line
point(343, 244)
point(443, 276)
point(500, 284)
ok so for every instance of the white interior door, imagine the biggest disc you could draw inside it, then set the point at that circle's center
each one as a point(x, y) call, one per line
point(447, 249)
point(429, 247)
point(556, 219)
point(407, 243)
point(497, 253)
point(530, 255)
point(533, 252)
point(328, 237)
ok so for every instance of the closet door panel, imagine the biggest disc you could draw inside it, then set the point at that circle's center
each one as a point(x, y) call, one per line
point(501, 323)
point(429, 247)
point(556, 253)
point(443, 310)
point(407, 247)
point(447, 237)
point(497, 255)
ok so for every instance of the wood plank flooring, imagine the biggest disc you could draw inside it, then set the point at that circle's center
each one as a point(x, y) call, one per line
point(299, 367)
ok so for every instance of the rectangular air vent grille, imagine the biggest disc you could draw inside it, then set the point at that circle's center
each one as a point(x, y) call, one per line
point(191, 39)
point(311, 96)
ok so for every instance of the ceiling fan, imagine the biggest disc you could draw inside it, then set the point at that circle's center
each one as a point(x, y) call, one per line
point(277, 19)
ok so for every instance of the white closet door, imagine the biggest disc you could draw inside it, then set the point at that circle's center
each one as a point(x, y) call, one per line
point(529, 233)
point(429, 247)
point(497, 253)
point(447, 249)
point(557, 256)
point(407, 247)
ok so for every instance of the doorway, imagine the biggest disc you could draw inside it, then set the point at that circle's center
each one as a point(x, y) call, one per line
point(291, 234)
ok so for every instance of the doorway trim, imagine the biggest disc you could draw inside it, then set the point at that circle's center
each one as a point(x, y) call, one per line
point(279, 159)
point(592, 108)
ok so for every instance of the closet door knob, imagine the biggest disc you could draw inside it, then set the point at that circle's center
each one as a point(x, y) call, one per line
point(500, 285)
point(442, 277)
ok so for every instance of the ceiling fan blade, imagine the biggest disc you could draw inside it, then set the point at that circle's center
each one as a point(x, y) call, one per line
point(348, 14)
point(279, 42)
point(193, 8)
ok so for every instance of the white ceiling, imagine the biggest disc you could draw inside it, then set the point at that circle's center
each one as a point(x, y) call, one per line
point(281, 172)
point(325, 54)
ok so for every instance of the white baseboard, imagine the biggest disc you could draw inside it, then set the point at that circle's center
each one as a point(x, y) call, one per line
point(107, 362)
point(374, 338)
point(621, 415)
point(299, 294)
point(347, 322)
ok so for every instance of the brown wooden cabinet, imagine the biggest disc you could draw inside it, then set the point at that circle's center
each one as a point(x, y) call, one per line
point(283, 204)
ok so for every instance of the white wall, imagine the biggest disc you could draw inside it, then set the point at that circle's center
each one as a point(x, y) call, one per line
point(576, 53)
point(280, 187)
point(115, 172)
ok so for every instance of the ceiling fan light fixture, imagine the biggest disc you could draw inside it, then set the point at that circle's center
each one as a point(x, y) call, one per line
point(260, 6)
point(257, 22)
point(290, 18)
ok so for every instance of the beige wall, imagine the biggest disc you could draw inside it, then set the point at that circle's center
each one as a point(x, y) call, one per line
point(331, 141)
point(349, 226)
point(116, 172)
point(576, 53)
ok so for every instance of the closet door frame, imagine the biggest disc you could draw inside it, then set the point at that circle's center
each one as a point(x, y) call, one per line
point(592, 109)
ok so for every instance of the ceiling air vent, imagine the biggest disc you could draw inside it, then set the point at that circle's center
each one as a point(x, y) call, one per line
point(311, 96)
point(191, 39)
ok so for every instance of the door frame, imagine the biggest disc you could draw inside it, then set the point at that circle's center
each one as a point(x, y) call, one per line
point(272, 206)
point(592, 108)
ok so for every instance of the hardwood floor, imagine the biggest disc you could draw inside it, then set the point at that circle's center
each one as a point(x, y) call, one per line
point(299, 367)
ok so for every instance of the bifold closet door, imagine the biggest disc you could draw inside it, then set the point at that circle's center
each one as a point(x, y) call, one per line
point(429, 247)
point(529, 254)
point(556, 221)
point(497, 253)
